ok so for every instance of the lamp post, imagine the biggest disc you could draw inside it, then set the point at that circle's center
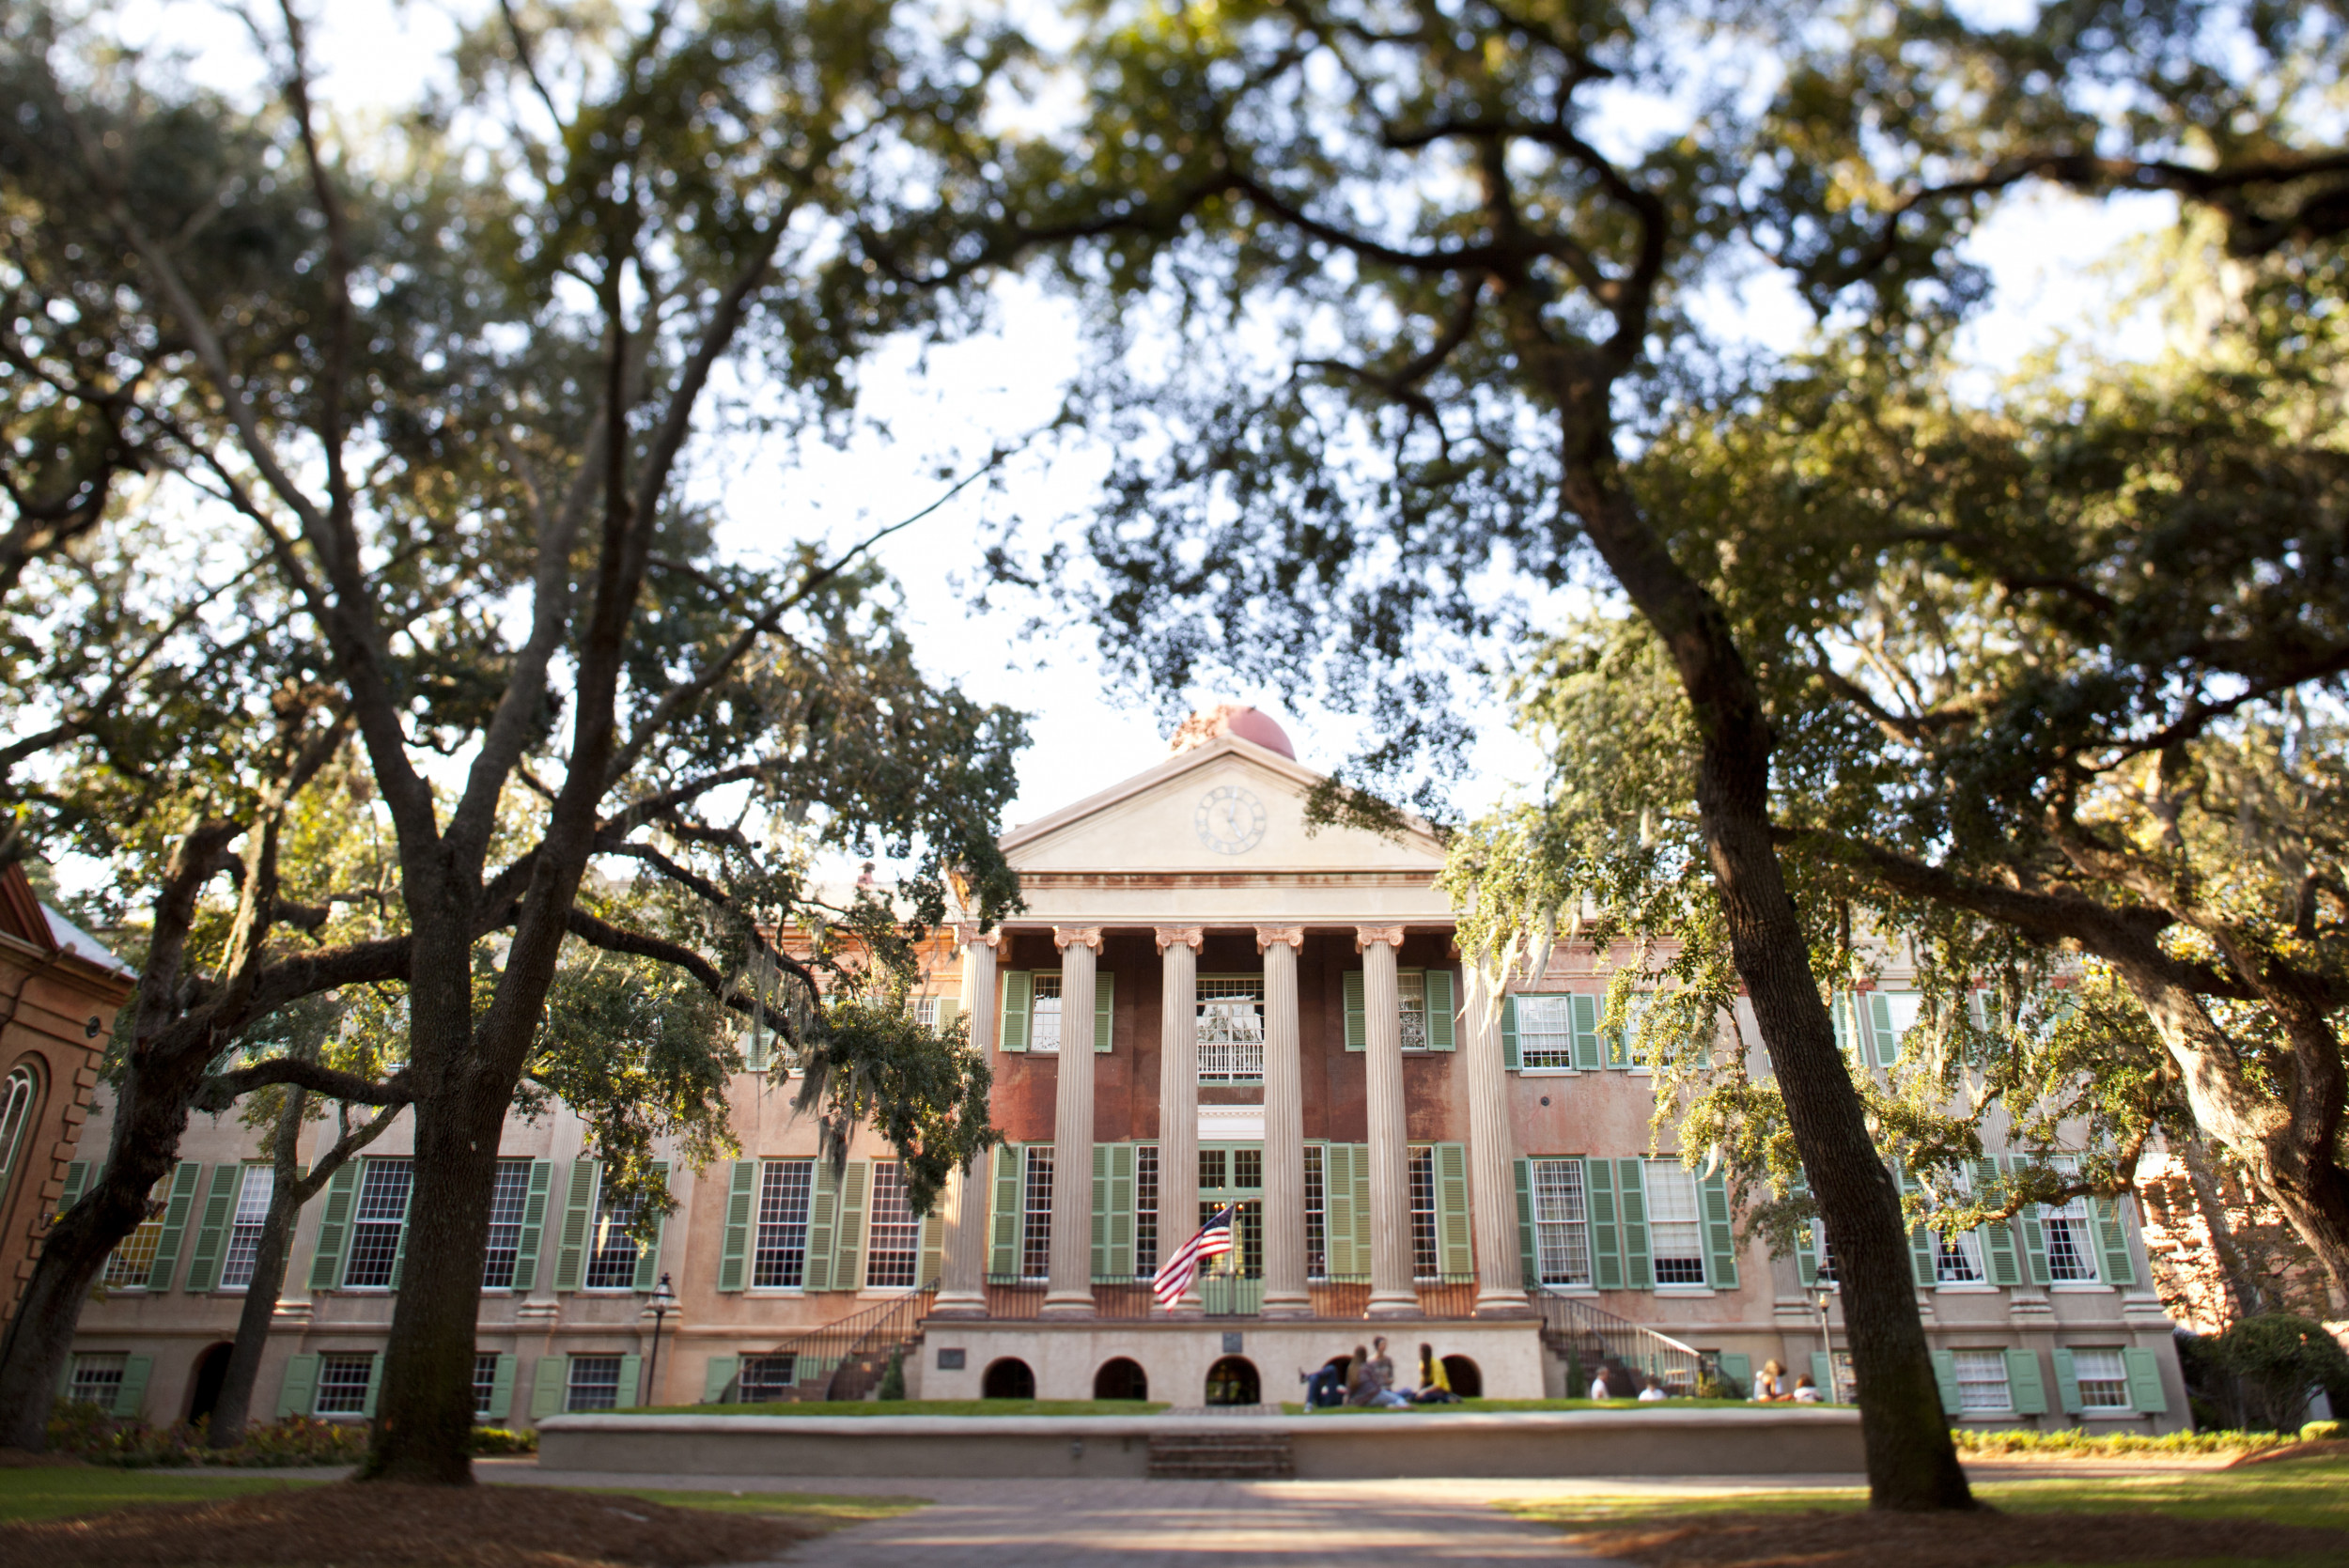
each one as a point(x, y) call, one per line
point(664, 1298)
point(1826, 1343)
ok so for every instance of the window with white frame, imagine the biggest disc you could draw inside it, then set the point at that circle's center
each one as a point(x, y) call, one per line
point(1982, 1381)
point(1231, 1030)
point(892, 1249)
point(2071, 1248)
point(1562, 1230)
point(1823, 1252)
point(97, 1377)
point(485, 1385)
point(768, 1378)
point(376, 1224)
point(134, 1257)
point(1316, 1216)
point(343, 1376)
point(509, 1195)
point(1676, 1228)
point(1147, 1210)
point(255, 1187)
point(1957, 1258)
point(1043, 1013)
point(1545, 1031)
point(779, 1259)
point(1635, 1049)
point(16, 1114)
point(595, 1383)
point(1411, 991)
point(2103, 1377)
point(1424, 1263)
point(1036, 1236)
point(925, 1012)
point(612, 1263)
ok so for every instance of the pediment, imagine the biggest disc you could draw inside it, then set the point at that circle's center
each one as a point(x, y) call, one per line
point(1229, 807)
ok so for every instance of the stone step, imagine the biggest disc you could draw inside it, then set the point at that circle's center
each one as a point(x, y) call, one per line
point(1221, 1456)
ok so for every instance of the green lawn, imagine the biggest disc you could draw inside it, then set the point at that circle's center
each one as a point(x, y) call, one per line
point(2313, 1492)
point(50, 1492)
point(914, 1408)
point(823, 1507)
point(1546, 1405)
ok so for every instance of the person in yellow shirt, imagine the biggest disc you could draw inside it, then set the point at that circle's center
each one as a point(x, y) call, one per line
point(1434, 1385)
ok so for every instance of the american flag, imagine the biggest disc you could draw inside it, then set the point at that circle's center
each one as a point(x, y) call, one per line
point(1213, 1240)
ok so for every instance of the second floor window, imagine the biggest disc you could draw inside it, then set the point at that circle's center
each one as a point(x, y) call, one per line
point(1145, 1211)
point(1423, 1262)
point(893, 1251)
point(1316, 1215)
point(509, 1193)
point(1675, 1233)
point(1545, 1030)
point(253, 1192)
point(780, 1262)
point(134, 1257)
point(1562, 1228)
point(1036, 1236)
point(614, 1264)
point(376, 1224)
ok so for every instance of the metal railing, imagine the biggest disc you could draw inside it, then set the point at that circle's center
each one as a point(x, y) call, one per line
point(1590, 1337)
point(844, 1359)
point(1017, 1298)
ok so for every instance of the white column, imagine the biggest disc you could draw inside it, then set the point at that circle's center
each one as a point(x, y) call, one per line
point(1392, 1294)
point(963, 1290)
point(1492, 1179)
point(1070, 1292)
point(1178, 1100)
point(1285, 1292)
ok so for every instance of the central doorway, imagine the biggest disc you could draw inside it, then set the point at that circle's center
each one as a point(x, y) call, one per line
point(1233, 1381)
point(1233, 1284)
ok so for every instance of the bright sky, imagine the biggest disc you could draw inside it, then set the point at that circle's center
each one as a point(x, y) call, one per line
point(969, 396)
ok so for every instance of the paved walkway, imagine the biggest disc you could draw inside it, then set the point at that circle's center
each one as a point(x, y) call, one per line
point(1182, 1524)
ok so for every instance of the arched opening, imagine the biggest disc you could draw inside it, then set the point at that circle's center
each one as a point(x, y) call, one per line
point(18, 1112)
point(212, 1370)
point(1233, 1381)
point(1008, 1378)
point(1121, 1378)
point(1466, 1378)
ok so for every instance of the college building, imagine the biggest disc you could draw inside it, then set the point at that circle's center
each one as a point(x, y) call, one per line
point(1204, 1004)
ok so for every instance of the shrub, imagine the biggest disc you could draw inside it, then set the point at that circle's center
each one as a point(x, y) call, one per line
point(89, 1433)
point(2277, 1358)
point(893, 1382)
point(2322, 1432)
point(2092, 1445)
point(497, 1439)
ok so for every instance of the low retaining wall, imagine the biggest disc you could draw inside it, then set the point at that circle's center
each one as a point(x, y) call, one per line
point(1529, 1445)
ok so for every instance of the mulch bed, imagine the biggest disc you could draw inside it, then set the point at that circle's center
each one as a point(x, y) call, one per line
point(385, 1526)
point(2328, 1448)
point(1985, 1540)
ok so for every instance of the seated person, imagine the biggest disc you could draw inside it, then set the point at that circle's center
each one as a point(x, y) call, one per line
point(1598, 1385)
point(1769, 1384)
point(1806, 1391)
point(1654, 1392)
point(1434, 1384)
point(1382, 1374)
point(1327, 1387)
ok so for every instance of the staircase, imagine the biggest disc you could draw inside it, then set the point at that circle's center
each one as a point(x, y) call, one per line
point(1240, 1455)
point(1586, 1339)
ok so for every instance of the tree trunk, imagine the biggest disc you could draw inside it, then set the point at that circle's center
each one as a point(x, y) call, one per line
point(2244, 1294)
point(235, 1408)
point(1912, 1462)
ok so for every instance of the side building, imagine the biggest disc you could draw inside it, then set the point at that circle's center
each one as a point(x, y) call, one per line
point(1204, 1005)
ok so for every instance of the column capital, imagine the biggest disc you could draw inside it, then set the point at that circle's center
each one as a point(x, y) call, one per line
point(1365, 935)
point(1278, 936)
point(1180, 935)
point(969, 935)
point(1067, 936)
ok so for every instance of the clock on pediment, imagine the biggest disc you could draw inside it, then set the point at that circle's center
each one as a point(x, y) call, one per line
point(1230, 820)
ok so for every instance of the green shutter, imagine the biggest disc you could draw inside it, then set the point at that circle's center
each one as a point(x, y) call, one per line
point(1840, 1009)
point(631, 1375)
point(1632, 1205)
point(1921, 1251)
point(375, 1381)
point(132, 1394)
point(1104, 990)
point(1598, 1185)
point(2145, 1391)
point(718, 1375)
point(1509, 1054)
point(1439, 1010)
point(933, 1262)
point(326, 1267)
point(1823, 1373)
point(76, 1177)
point(502, 1389)
point(848, 1272)
point(579, 1212)
point(1121, 1209)
point(1357, 1035)
point(1945, 1380)
point(1583, 1008)
point(1737, 1371)
point(1457, 1252)
point(1528, 1252)
point(2067, 1380)
point(2113, 1238)
point(2023, 1390)
point(399, 1252)
point(1100, 1259)
point(1888, 1044)
point(1807, 1254)
point(1998, 1239)
point(181, 1203)
point(300, 1391)
point(212, 1233)
point(534, 1226)
point(1337, 1210)
point(1018, 994)
point(1362, 1205)
point(1004, 1252)
point(740, 1196)
point(548, 1384)
point(1720, 1232)
point(823, 1215)
point(648, 1252)
point(2034, 1239)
